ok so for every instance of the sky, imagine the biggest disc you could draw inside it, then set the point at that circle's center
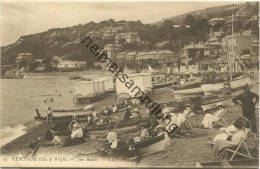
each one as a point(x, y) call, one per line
point(24, 17)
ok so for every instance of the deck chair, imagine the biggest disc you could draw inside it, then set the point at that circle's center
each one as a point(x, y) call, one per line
point(221, 120)
point(182, 126)
point(241, 145)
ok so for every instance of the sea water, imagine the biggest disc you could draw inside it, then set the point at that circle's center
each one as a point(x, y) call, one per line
point(19, 98)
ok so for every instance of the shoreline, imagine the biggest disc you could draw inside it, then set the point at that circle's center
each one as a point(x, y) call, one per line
point(33, 131)
point(56, 74)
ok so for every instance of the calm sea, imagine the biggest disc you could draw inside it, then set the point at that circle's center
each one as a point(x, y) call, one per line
point(19, 98)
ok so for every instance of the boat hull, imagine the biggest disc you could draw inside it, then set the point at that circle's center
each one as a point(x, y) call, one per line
point(154, 145)
point(213, 89)
point(145, 147)
point(161, 85)
point(187, 93)
point(121, 127)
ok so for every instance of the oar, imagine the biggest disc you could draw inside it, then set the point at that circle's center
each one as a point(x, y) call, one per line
point(33, 153)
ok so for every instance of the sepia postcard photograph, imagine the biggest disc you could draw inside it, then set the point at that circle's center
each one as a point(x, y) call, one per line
point(120, 83)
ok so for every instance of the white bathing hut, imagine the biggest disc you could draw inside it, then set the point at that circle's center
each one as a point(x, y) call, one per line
point(84, 88)
point(108, 83)
point(141, 80)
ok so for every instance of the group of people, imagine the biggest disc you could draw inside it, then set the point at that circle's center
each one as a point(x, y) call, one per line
point(228, 136)
point(172, 119)
point(76, 135)
point(131, 112)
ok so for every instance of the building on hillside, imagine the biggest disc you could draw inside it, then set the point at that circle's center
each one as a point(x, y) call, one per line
point(95, 34)
point(71, 65)
point(162, 56)
point(109, 35)
point(242, 44)
point(216, 21)
point(24, 57)
point(112, 50)
point(216, 25)
point(194, 52)
point(24, 60)
point(129, 37)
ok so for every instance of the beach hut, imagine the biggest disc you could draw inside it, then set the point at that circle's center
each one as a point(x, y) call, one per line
point(83, 90)
point(98, 86)
point(108, 83)
point(141, 80)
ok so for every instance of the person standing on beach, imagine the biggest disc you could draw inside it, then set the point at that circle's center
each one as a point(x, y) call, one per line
point(49, 115)
point(248, 101)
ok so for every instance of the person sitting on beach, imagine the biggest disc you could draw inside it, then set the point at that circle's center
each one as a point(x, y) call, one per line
point(95, 115)
point(135, 101)
point(76, 136)
point(143, 133)
point(230, 136)
point(49, 135)
point(49, 115)
point(208, 119)
point(38, 115)
point(127, 114)
point(56, 140)
point(106, 111)
point(160, 129)
point(180, 116)
point(101, 120)
point(90, 120)
point(114, 108)
point(153, 122)
point(135, 114)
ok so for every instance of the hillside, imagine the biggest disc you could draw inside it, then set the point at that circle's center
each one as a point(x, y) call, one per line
point(65, 42)
point(249, 8)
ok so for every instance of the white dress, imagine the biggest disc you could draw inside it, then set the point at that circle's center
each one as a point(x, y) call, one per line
point(231, 130)
point(208, 119)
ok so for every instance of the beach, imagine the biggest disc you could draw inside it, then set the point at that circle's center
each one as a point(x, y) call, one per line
point(184, 151)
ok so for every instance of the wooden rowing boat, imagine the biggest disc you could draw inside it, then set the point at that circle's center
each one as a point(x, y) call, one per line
point(206, 102)
point(212, 89)
point(68, 110)
point(146, 147)
point(65, 116)
point(120, 127)
point(166, 84)
point(225, 163)
point(187, 93)
point(68, 115)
